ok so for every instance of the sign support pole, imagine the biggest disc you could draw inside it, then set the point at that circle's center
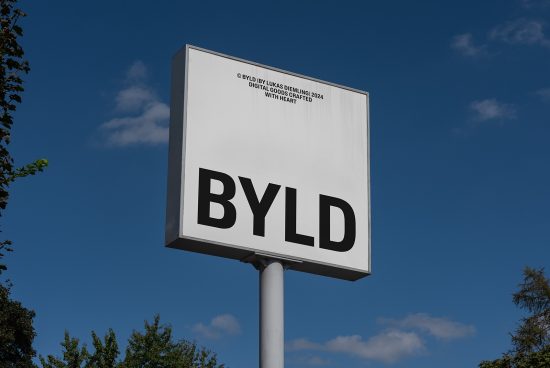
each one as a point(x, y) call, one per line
point(271, 313)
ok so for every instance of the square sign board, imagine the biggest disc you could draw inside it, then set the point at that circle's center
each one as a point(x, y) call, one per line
point(267, 162)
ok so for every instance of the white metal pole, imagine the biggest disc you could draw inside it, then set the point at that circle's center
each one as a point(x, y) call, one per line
point(271, 314)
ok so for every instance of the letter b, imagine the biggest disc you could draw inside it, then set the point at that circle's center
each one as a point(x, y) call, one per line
point(206, 197)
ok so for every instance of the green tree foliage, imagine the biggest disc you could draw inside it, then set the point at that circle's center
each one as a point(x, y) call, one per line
point(12, 67)
point(533, 334)
point(531, 340)
point(152, 348)
point(156, 349)
point(16, 330)
point(105, 353)
point(74, 356)
point(16, 333)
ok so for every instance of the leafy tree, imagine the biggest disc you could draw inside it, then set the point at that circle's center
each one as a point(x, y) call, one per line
point(533, 334)
point(531, 341)
point(16, 330)
point(74, 356)
point(156, 349)
point(12, 66)
point(153, 348)
point(16, 333)
point(106, 353)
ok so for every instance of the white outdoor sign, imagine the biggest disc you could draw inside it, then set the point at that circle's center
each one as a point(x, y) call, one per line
point(264, 161)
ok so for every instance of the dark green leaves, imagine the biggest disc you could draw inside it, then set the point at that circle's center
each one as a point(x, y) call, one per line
point(154, 347)
point(12, 68)
point(73, 355)
point(106, 351)
point(533, 334)
point(16, 332)
point(532, 338)
point(16, 329)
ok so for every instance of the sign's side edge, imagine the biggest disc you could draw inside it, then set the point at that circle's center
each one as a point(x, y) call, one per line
point(176, 148)
point(369, 186)
point(184, 135)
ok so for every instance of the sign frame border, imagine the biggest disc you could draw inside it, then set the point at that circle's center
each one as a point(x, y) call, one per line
point(176, 172)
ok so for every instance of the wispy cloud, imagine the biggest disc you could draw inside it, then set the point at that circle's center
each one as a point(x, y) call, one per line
point(464, 44)
point(491, 109)
point(442, 328)
point(535, 3)
point(219, 326)
point(309, 360)
point(133, 98)
point(544, 94)
point(388, 346)
point(402, 339)
point(316, 361)
point(302, 344)
point(144, 117)
point(521, 32)
point(136, 72)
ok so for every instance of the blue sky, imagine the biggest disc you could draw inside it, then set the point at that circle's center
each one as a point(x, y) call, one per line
point(460, 104)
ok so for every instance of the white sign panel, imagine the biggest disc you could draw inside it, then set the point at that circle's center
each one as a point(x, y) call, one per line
point(264, 161)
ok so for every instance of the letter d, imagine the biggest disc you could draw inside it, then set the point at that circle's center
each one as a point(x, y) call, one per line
point(325, 202)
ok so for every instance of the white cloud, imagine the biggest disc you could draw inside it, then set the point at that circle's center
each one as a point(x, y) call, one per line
point(395, 343)
point(136, 72)
point(145, 119)
point(544, 94)
point(388, 346)
point(535, 3)
point(316, 361)
point(302, 344)
point(147, 128)
point(133, 98)
point(464, 44)
point(219, 326)
point(491, 109)
point(308, 360)
point(521, 31)
point(441, 328)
